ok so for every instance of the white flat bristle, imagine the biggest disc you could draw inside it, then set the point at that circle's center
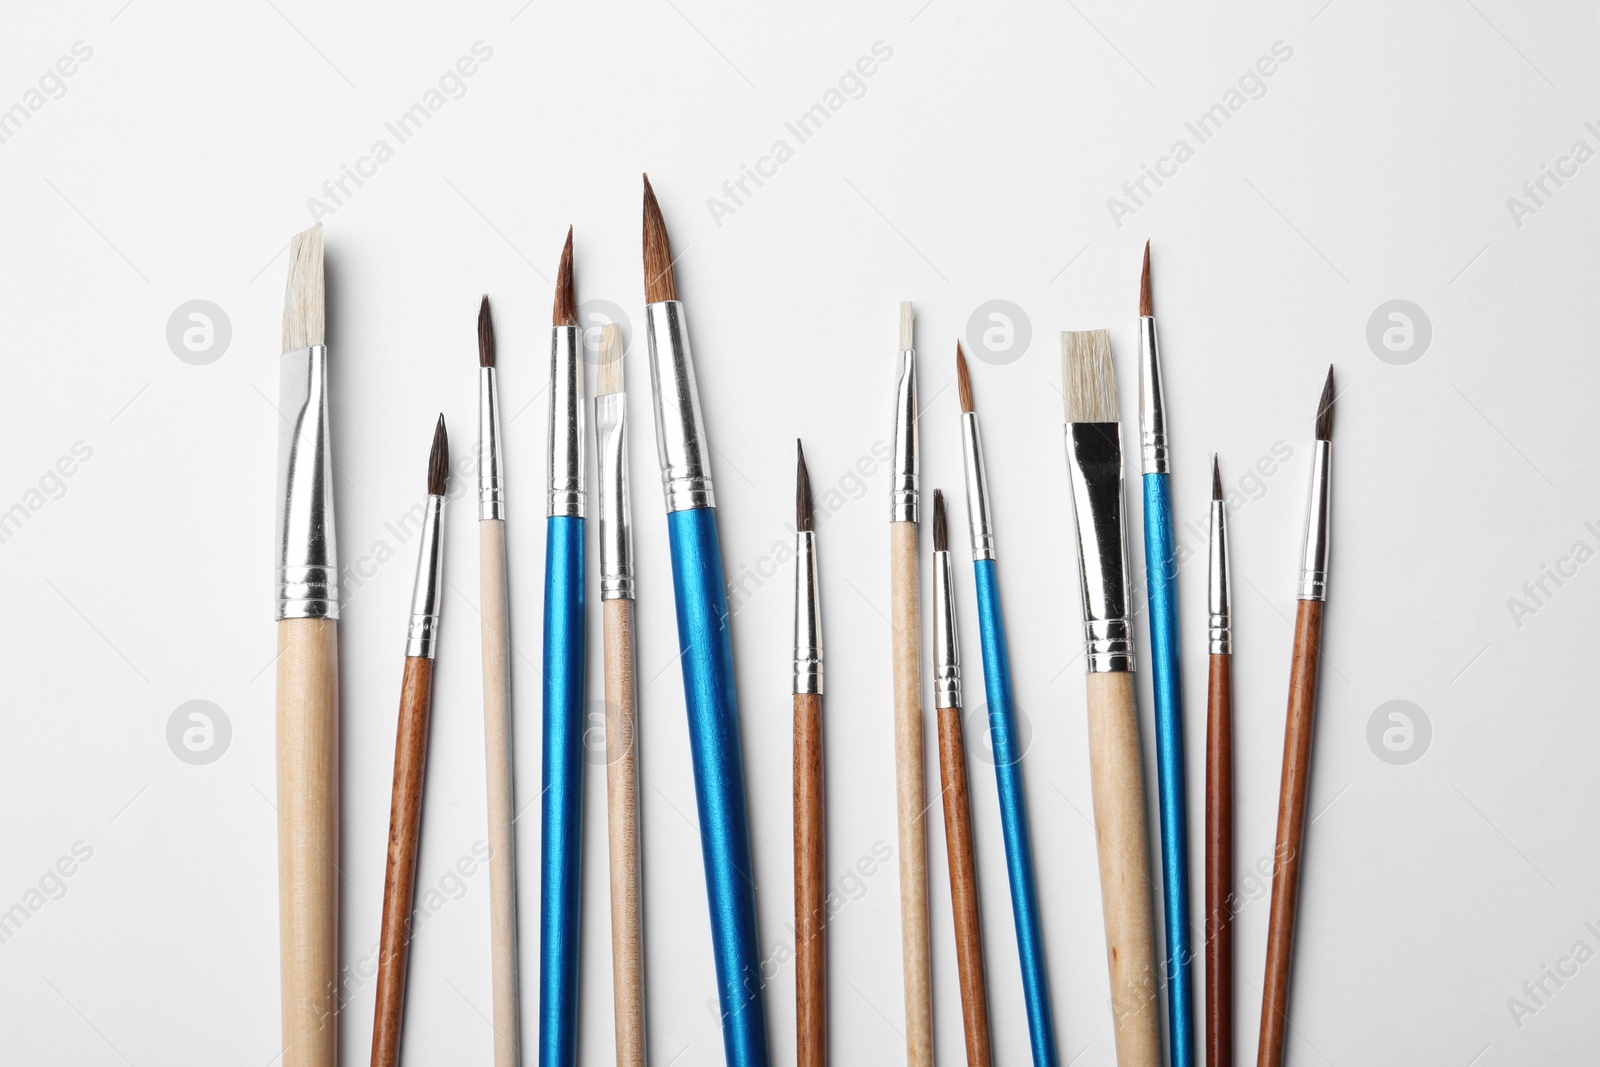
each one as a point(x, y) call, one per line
point(1088, 380)
point(610, 359)
point(303, 317)
point(908, 323)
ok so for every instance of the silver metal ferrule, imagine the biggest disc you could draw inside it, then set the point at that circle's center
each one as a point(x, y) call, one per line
point(681, 443)
point(903, 489)
point(308, 563)
point(979, 524)
point(1094, 464)
point(1152, 401)
point(946, 640)
point(422, 635)
point(1219, 590)
point(616, 516)
point(807, 616)
point(1314, 561)
point(491, 461)
point(567, 470)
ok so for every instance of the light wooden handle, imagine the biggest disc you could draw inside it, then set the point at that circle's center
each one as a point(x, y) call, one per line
point(308, 838)
point(810, 885)
point(905, 589)
point(496, 632)
point(964, 887)
point(622, 811)
point(1117, 770)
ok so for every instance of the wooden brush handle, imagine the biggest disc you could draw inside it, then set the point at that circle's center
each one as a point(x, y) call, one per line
point(308, 838)
point(1219, 863)
point(1292, 796)
point(905, 589)
point(496, 633)
point(810, 884)
point(400, 877)
point(964, 887)
point(1117, 770)
point(622, 811)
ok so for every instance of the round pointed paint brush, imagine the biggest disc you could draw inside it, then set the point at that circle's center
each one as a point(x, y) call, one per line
point(810, 821)
point(1219, 790)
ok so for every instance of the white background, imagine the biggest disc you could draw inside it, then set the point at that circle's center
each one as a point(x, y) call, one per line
point(976, 165)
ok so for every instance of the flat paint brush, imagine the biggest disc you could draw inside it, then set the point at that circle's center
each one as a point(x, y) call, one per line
point(561, 861)
point(308, 675)
point(494, 595)
point(622, 725)
point(964, 907)
point(1219, 789)
point(1003, 735)
point(1295, 788)
point(905, 600)
point(410, 762)
point(810, 820)
point(710, 695)
point(1094, 467)
point(1166, 680)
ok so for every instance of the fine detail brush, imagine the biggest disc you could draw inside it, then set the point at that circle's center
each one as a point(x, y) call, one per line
point(1294, 790)
point(494, 594)
point(410, 761)
point(810, 826)
point(1166, 677)
point(1219, 789)
point(905, 599)
point(1003, 734)
point(308, 674)
point(615, 515)
point(964, 909)
point(1094, 468)
point(562, 816)
point(710, 696)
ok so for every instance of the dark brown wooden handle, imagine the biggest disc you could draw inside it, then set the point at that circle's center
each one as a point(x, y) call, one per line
point(1292, 797)
point(810, 884)
point(1219, 863)
point(964, 887)
point(400, 878)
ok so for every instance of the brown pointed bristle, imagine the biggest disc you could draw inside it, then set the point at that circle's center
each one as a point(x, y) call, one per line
point(1147, 306)
point(963, 380)
point(1216, 479)
point(485, 334)
point(1325, 409)
point(802, 490)
point(304, 320)
point(566, 313)
point(659, 283)
point(941, 536)
point(609, 377)
point(438, 460)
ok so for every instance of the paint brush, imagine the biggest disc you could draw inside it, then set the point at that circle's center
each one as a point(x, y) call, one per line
point(1219, 789)
point(710, 696)
point(964, 909)
point(1003, 734)
point(1294, 789)
point(810, 825)
point(622, 724)
point(1166, 681)
point(308, 674)
point(905, 600)
point(562, 815)
point(410, 762)
point(1094, 468)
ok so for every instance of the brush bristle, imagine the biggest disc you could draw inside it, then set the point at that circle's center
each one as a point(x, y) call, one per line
point(908, 326)
point(963, 380)
point(802, 490)
point(1216, 479)
point(485, 334)
point(1088, 380)
point(304, 318)
point(1325, 409)
point(1147, 305)
point(566, 310)
point(438, 460)
point(659, 282)
point(941, 535)
point(610, 376)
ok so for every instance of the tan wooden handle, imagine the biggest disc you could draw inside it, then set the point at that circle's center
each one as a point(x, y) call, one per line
point(905, 588)
point(622, 810)
point(308, 839)
point(964, 906)
point(496, 633)
point(810, 885)
point(1117, 770)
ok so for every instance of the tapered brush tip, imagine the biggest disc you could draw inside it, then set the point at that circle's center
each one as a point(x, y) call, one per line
point(1147, 305)
point(941, 534)
point(438, 460)
point(659, 281)
point(485, 334)
point(1216, 479)
point(304, 318)
point(963, 380)
point(802, 490)
point(610, 376)
point(566, 309)
point(1325, 409)
point(1088, 379)
point(908, 326)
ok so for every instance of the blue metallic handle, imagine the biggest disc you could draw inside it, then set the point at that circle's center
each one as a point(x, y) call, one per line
point(1161, 574)
point(713, 706)
point(561, 855)
point(1014, 814)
